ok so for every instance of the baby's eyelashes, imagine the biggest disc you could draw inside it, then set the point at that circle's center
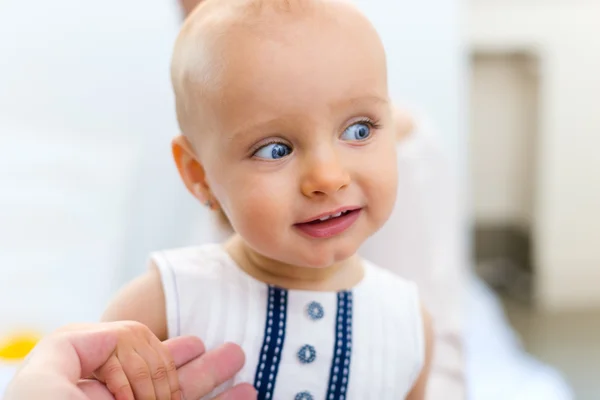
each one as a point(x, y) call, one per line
point(357, 132)
point(273, 151)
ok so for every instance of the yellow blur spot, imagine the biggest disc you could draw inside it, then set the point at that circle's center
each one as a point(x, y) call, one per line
point(17, 347)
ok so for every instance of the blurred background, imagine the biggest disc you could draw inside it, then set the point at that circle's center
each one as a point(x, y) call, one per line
point(534, 173)
point(88, 189)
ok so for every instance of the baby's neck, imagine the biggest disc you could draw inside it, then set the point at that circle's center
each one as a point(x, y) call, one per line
point(340, 276)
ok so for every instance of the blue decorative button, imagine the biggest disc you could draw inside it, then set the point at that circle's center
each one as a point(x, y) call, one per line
point(315, 311)
point(307, 354)
point(304, 396)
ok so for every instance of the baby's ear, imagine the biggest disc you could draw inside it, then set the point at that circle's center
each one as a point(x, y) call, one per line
point(191, 171)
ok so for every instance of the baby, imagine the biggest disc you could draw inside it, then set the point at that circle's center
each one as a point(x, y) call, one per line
point(288, 131)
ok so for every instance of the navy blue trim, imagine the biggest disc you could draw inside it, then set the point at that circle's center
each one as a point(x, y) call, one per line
point(339, 375)
point(270, 353)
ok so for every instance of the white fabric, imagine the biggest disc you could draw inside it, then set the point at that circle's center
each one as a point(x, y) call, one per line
point(209, 296)
point(497, 366)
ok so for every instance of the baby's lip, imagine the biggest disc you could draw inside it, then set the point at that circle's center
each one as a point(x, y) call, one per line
point(329, 213)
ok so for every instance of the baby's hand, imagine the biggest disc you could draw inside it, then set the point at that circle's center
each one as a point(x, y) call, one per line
point(141, 367)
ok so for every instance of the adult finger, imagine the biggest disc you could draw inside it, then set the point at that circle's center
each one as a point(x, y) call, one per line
point(243, 391)
point(94, 390)
point(175, 353)
point(184, 349)
point(74, 353)
point(201, 376)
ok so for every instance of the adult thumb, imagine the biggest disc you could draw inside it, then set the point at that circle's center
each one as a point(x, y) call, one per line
point(75, 351)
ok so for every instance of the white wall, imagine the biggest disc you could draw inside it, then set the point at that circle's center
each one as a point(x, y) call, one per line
point(427, 62)
point(83, 86)
point(503, 115)
point(566, 36)
point(86, 116)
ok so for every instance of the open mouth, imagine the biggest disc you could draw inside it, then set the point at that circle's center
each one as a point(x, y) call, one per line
point(332, 216)
point(330, 225)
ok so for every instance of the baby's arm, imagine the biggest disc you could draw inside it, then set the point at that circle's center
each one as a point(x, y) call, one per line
point(142, 300)
point(418, 390)
point(141, 366)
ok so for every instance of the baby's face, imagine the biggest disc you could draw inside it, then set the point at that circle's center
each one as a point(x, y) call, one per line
point(301, 130)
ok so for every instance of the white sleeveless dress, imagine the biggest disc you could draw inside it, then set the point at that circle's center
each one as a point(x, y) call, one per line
point(361, 344)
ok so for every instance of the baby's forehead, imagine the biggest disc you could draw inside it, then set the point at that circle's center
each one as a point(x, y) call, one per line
point(216, 19)
point(217, 29)
point(250, 9)
point(228, 48)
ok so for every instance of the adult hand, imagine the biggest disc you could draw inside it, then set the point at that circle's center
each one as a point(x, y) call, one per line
point(56, 367)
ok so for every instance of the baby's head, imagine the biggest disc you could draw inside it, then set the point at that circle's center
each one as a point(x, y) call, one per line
point(286, 120)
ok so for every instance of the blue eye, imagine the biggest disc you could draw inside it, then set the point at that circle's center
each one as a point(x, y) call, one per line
point(273, 151)
point(357, 132)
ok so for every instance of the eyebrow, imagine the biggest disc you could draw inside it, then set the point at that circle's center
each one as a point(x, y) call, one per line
point(369, 99)
point(375, 99)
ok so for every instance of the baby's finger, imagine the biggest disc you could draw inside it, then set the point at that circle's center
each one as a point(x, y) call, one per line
point(113, 375)
point(139, 376)
point(170, 371)
point(158, 368)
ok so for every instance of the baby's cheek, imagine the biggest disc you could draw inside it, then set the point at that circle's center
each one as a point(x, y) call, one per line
point(384, 188)
point(258, 216)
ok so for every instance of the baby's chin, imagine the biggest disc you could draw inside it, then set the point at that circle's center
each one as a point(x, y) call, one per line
point(296, 250)
point(323, 256)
